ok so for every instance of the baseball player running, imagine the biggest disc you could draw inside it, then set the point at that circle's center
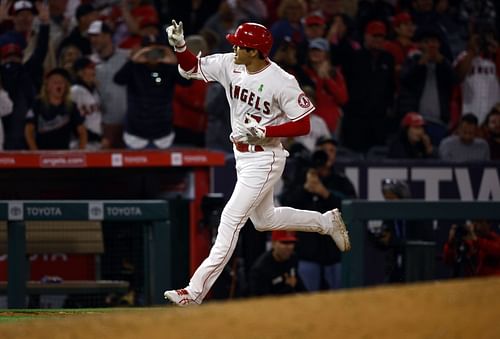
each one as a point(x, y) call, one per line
point(266, 104)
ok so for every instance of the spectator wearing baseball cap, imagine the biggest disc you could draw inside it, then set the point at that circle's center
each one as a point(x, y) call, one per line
point(403, 44)
point(130, 21)
point(37, 50)
point(109, 60)
point(412, 142)
point(148, 26)
point(86, 97)
point(314, 27)
point(375, 33)
point(275, 271)
point(331, 89)
point(85, 15)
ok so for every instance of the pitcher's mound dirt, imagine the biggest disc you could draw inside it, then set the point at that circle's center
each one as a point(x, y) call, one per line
point(452, 309)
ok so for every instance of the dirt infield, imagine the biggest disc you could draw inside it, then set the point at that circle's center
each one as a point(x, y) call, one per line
point(453, 309)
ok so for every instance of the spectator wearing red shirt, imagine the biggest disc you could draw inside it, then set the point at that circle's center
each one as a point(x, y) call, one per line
point(403, 44)
point(331, 89)
point(473, 249)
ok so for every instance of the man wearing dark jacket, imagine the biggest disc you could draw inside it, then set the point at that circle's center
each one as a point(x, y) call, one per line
point(427, 79)
point(275, 271)
point(315, 185)
point(370, 82)
point(150, 77)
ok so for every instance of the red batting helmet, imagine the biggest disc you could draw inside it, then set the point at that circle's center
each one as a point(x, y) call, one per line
point(252, 35)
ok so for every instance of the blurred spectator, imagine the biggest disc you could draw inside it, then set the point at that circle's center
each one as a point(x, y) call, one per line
point(314, 184)
point(147, 28)
point(290, 13)
point(342, 44)
point(454, 28)
point(395, 237)
point(54, 117)
point(190, 116)
point(84, 94)
point(219, 24)
point(109, 60)
point(5, 109)
point(412, 142)
point(59, 22)
point(478, 70)
point(249, 10)
point(473, 249)
point(475, 12)
point(67, 57)
point(491, 129)
point(319, 129)
point(17, 81)
point(192, 13)
point(328, 9)
point(425, 17)
point(465, 145)
point(314, 27)
point(35, 44)
point(286, 56)
point(218, 119)
point(149, 76)
point(403, 43)
point(85, 15)
point(331, 91)
point(275, 271)
point(427, 80)
point(369, 10)
point(130, 17)
point(370, 81)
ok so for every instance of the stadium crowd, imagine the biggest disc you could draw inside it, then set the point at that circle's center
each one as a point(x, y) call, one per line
point(397, 79)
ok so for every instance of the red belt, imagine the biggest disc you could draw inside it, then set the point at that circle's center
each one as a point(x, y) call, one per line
point(248, 148)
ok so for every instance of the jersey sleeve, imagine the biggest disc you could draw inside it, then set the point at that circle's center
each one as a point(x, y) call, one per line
point(293, 101)
point(215, 67)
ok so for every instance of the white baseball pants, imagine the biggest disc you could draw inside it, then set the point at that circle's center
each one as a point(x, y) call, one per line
point(257, 173)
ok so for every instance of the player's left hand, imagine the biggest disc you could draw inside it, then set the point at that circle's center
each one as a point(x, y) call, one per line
point(252, 127)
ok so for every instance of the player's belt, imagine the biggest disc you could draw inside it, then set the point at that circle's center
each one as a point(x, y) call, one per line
point(248, 148)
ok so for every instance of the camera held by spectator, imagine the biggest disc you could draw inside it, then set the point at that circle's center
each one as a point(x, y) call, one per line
point(473, 249)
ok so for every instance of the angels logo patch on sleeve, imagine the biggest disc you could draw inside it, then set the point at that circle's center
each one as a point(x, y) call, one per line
point(304, 101)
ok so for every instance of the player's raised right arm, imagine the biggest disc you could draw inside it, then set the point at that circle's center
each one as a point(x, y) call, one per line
point(188, 62)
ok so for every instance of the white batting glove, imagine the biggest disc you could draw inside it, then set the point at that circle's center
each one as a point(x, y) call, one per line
point(252, 127)
point(175, 34)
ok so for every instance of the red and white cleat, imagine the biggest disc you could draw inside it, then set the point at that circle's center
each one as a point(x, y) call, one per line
point(179, 297)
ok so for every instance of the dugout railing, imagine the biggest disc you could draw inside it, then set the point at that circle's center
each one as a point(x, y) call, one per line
point(156, 217)
point(356, 212)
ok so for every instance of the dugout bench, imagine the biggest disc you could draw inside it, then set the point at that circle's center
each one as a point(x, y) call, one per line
point(64, 237)
point(156, 218)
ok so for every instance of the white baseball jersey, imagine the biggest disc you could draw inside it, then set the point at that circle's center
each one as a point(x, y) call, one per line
point(480, 88)
point(271, 95)
point(89, 105)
